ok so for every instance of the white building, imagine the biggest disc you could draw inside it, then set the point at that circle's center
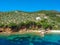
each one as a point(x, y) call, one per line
point(38, 18)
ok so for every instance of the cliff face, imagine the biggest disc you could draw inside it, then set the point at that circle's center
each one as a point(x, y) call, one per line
point(20, 16)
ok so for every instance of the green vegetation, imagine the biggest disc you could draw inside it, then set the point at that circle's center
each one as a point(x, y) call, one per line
point(17, 20)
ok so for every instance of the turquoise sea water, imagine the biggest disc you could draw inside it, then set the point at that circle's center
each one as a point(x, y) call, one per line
point(48, 39)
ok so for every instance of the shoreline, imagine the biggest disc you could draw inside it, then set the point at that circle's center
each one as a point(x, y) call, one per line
point(40, 32)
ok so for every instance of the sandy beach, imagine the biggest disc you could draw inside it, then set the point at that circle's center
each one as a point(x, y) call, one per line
point(55, 31)
point(50, 31)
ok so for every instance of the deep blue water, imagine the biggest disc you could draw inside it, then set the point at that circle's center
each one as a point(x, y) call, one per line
point(48, 39)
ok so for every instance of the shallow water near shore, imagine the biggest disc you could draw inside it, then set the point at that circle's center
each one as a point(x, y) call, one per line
point(30, 39)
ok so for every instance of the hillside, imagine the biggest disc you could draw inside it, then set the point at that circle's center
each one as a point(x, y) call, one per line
point(20, 16)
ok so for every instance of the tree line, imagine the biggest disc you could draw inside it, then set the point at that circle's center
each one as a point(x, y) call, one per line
point(28, 25)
